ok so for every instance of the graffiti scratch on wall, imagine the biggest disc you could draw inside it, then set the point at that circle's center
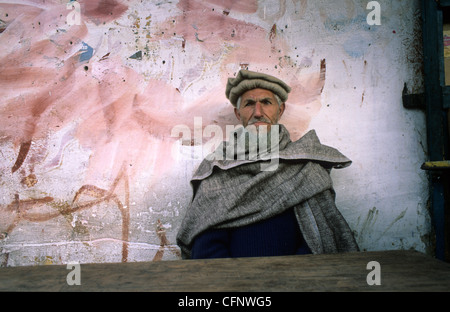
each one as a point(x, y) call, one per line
point(88, 107)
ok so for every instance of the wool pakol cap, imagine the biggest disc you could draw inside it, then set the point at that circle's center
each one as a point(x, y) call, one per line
point(248, 80)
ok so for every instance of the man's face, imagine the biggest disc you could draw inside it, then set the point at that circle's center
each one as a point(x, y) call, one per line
point(259, 107)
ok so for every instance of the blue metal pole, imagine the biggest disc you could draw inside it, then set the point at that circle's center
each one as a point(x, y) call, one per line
point(436, 124)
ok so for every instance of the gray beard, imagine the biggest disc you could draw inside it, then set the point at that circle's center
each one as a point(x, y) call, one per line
point(254, 143)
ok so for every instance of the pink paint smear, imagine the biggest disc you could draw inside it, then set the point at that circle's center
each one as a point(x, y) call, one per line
point(45, 87)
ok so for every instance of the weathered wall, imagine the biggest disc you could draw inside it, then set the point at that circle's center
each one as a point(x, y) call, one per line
point(90, 171)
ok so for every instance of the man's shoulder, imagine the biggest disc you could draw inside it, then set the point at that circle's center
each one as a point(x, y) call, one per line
point(309, 147)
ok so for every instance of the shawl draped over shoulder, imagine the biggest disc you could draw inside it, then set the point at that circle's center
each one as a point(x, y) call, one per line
point(233, 193)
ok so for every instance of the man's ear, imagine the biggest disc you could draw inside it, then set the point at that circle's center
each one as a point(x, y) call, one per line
point(282, 108)
point(236, 112)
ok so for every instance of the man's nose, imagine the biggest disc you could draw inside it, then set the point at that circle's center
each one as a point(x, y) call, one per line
point(258, 111)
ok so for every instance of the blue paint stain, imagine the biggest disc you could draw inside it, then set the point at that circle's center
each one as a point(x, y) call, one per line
point(356, 47)
point(86, 52)
point(345, 24)
point(137, 55)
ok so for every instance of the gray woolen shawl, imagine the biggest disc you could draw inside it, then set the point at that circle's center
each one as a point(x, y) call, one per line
point(233, 193)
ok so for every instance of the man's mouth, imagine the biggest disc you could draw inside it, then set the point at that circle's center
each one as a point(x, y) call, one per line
point(261, 122)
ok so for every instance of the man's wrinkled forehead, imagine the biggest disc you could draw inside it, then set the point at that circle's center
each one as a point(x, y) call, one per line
point(258, 94)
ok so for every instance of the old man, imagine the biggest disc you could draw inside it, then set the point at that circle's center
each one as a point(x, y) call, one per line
point(240, 209)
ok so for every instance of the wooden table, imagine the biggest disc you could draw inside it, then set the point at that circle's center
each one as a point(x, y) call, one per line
point(399, 271)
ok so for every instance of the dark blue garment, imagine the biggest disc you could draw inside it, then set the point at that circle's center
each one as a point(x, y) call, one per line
point(277, 236)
